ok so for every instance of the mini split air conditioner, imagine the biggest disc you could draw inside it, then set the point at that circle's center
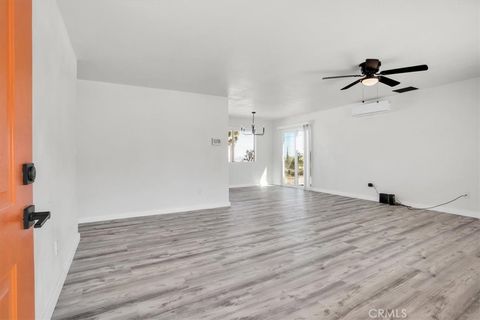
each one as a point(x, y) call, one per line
point(370, 107)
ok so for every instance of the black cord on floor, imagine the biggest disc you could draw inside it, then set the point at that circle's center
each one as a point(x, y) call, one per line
point(427, 208)
point(371, 185)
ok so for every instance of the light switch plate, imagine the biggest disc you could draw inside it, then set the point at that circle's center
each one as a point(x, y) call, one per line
point(216, 142)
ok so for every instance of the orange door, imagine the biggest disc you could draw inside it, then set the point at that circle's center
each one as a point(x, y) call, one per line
point(16, 244)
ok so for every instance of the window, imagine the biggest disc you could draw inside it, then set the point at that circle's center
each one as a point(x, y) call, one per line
point(241, 147)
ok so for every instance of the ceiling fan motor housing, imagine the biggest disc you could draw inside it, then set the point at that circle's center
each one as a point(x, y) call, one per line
point(370, 67)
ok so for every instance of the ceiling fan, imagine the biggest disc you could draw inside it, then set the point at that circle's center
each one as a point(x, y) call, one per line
point(370, 75)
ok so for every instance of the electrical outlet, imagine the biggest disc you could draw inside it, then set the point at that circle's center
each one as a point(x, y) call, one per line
point(55, 247)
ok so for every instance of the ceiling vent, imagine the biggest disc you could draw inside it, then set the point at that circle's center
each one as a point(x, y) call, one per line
point(406, 89)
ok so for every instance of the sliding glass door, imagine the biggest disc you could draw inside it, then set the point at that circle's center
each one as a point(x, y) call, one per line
point(289, 159)
point(295, 157)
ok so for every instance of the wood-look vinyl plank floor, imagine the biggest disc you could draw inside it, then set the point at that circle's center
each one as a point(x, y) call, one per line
point(278, 253)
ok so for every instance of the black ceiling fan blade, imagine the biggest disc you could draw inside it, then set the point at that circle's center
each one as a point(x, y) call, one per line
point(352, 84)
point(422, 67)
point(347, 76)
point(388, 81)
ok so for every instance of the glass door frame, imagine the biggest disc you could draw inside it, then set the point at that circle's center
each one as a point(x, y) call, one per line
point(306, 129)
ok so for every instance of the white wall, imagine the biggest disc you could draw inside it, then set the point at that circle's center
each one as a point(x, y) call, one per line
point(478, 127)
point(478, 143)
point(147, 151)
point(253, 173)
point(426, 150)
point(54, 87)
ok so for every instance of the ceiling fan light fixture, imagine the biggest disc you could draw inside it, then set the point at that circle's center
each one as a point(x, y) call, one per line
point(370, 81)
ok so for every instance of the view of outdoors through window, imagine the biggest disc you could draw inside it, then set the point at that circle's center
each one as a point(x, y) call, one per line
point(241, 148)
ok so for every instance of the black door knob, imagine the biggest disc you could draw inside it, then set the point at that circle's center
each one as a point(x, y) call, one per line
point(35, 219)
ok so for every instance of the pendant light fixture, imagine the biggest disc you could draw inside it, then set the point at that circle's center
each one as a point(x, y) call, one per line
point(253, 130)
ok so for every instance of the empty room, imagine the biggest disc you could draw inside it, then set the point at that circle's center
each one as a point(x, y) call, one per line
point(239, 160)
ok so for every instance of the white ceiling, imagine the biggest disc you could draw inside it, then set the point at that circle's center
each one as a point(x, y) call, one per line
point(270, 55)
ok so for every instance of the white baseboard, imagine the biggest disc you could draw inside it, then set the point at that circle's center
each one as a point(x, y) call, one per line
point(345, 194)
point(461, 212)
point(52, 301)
point(126, 215)
point(243, 186)
point(249, 185)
